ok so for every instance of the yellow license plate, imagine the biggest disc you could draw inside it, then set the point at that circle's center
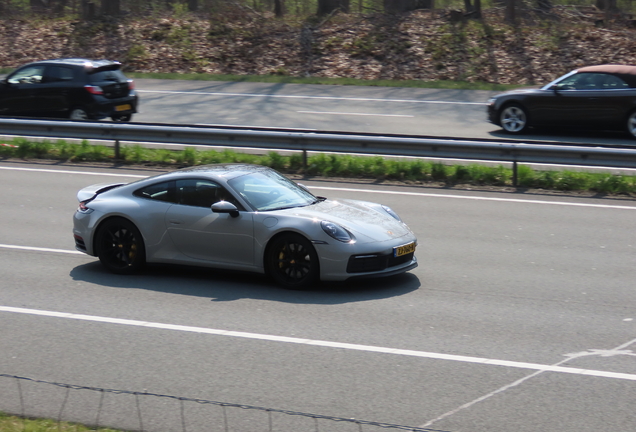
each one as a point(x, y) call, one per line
point(403, 250)
point(123, 107)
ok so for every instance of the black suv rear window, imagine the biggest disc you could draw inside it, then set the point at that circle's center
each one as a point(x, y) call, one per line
point(103, 76)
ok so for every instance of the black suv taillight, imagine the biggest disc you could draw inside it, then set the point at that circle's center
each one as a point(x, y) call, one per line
point(96, 90)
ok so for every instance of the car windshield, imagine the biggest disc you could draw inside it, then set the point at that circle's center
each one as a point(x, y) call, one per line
point(549, 85)
point(269, 190)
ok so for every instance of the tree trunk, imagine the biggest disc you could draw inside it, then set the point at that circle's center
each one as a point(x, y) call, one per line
point(511, 12)
point(325, 7)
point(193, 5)
point(87, 10)
point(110, 7)
point(38, 6)
point(279, 8)
point(477, 11)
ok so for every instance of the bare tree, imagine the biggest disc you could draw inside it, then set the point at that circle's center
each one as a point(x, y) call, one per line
point(279, 8)
point(473, 10)
point(111, 7)
point(511, 12)
point(326, 7)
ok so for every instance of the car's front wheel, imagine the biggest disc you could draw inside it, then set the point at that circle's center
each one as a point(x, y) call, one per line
point(631, 124)
point(514, 119)
point(78, 114)
point(120, 247)
point(292, 261)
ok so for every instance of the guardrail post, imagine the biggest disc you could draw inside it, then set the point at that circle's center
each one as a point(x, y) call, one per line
point(304, 160)
point(117, 153)
point(514, 174)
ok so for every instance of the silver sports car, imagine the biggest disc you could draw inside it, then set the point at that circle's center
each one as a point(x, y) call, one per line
point(240, 217)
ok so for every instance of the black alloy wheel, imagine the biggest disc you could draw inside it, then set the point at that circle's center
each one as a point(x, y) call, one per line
point(292, 261)
point(631, 124)
point(122, 118)
point(120, 247)
point(79, 114)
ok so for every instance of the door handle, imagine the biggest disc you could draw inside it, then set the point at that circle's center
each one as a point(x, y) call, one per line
point(175, 222)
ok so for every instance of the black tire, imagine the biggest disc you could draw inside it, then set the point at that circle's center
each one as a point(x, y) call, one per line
point(292, 261)
point(631, 124)
point(513, 119)
point(122, 118)
point(120, 247)
point(78, 113)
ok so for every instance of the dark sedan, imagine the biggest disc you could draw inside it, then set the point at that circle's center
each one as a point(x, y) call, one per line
point(75, 88)
point(601, 96)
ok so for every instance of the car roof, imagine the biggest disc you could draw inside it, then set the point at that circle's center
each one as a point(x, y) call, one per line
point(626, 72)
point(81, 62)
point(227, 171)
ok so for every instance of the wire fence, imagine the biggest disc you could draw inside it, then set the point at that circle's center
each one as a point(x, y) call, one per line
point(145, 411)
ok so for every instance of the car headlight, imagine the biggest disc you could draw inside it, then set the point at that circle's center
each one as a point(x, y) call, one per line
point(390, 211)
point(337, 232)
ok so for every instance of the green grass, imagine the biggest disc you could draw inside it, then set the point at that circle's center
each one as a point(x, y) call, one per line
point(10, 423)
point(377, 168)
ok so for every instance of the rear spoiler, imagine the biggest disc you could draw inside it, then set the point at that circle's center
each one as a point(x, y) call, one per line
point(92, 191)
point(102, 65)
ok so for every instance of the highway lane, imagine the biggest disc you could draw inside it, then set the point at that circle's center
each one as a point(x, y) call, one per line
point(535, 281)
point(434, 112)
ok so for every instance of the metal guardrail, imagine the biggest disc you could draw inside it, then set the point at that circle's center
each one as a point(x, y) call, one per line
point(306, 141)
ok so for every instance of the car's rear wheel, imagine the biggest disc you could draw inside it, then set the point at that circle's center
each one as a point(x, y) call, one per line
point(122, 118)
point(78, 114)
point(514, 119)
point(120, 247)
point(631, 124)
point(292, 261)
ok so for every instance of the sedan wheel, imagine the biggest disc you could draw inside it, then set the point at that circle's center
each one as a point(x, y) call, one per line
point(122, 118)
point(78, 114)
point(120, 247)
point(293, 262)
point(513, 119)
point(631, 124)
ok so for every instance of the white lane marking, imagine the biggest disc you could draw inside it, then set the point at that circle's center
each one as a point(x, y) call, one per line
point(514, 384)
point(39, 249)
point(260, 127)
point(375, 191)
point(277, 96)
point(478, 198)
point(326, 344)
point(353, 114)
point(57, 171)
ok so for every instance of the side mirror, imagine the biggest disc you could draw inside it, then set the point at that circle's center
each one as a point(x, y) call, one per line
point(225, 207)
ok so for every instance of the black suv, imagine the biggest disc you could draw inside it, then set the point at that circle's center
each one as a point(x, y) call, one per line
point(78, 89)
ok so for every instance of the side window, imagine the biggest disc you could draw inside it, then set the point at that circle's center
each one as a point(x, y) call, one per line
point(58, 74)
point(579, 81)
point(164, 191)
point(27, 75)
point(611, 82)
point(592, 81)
point(202, 193)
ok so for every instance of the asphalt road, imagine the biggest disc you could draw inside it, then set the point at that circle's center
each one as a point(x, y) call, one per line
point(429, 112)
point(520, 317)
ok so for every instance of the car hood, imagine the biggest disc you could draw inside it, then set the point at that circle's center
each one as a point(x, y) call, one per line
point(367, 221)
point(521, 91)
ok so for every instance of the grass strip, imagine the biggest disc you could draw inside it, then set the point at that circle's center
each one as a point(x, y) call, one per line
point(413, 171)
point(9, 423)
